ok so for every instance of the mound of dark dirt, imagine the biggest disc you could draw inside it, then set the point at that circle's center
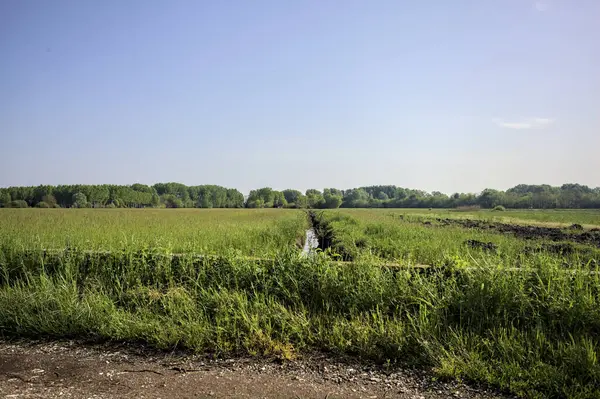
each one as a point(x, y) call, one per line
point(486, 246)
point(574, 233)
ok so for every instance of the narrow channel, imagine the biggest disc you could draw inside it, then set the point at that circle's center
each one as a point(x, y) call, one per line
point(310, 243)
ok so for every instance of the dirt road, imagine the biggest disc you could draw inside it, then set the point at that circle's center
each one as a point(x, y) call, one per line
point(75, 370)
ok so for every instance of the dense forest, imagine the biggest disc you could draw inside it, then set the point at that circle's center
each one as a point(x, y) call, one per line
point(169, 195)
point(177, 195)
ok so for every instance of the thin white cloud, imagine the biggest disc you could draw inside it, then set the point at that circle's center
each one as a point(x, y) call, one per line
point(541, 6)
point(529, 123)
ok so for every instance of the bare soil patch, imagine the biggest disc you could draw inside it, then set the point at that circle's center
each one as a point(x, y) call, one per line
point(530, 232)
point(76, 370)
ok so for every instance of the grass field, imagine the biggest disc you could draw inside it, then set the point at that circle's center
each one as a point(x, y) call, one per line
point(588, 217)
point(413, 236)
point(206, 231)
point(528, 323)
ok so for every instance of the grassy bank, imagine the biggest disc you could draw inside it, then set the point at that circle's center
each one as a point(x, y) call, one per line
point(534, 333)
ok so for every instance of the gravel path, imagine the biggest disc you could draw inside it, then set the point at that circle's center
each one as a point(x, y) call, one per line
point(75, 370)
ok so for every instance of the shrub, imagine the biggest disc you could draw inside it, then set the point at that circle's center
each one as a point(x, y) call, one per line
point(173, 202)
point(50, 200)
point(499, 208)
point(18, 204)
point(42, 204)
point(79, 200)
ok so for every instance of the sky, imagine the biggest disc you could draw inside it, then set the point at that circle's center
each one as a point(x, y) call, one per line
point(435, 95)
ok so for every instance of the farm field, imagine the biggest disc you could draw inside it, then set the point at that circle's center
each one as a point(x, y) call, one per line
point(589, 218)
point(513, 308)
point(436, 238)
point(203, 231)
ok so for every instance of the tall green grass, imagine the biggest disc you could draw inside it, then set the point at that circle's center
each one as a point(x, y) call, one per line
point(407, 239)
point(533, 333)
point(208, 231)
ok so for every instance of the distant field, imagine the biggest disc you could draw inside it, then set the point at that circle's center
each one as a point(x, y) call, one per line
point(587, 217)
point(206, 231)
point(417, 236)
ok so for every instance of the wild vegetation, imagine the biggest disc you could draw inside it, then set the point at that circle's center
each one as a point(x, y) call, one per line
point(169, 195)
point(548, 217)
point(429, 238)
point(525, 321)
point(176, 195)
point(221, 231)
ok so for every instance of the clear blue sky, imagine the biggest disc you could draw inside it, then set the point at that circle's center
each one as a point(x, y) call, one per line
point(437, 95)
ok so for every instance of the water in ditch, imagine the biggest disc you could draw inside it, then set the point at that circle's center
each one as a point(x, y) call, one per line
point(311, 243)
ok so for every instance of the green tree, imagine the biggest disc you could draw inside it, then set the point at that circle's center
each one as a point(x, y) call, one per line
point(254, 200)
point(356, 198)
point(261, 198)
point(291, 196)
point(295, 198)
point(171, 201)
point(255, 203)
point(4, 198)
point(50, 200)
point(155, 201)
point(79, 200)
point(235, 199)
point(138, 195)
point(118, 203)
point(490, 198)
point(188, 203)
point(267, 195)
point(278, 199)
point(332, 198)
point(301, 202)
point(383, 196)
point(314, 198)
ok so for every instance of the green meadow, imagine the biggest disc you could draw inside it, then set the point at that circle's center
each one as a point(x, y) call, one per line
point(399, 287)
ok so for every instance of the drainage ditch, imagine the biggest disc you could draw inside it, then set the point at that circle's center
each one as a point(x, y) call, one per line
point(319, 235)
point(311, 242)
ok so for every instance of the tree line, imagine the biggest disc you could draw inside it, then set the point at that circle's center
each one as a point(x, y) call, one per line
point(169, 195)
point(177, 195)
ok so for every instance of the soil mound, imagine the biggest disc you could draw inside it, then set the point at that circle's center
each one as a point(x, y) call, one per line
point(574, 233)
